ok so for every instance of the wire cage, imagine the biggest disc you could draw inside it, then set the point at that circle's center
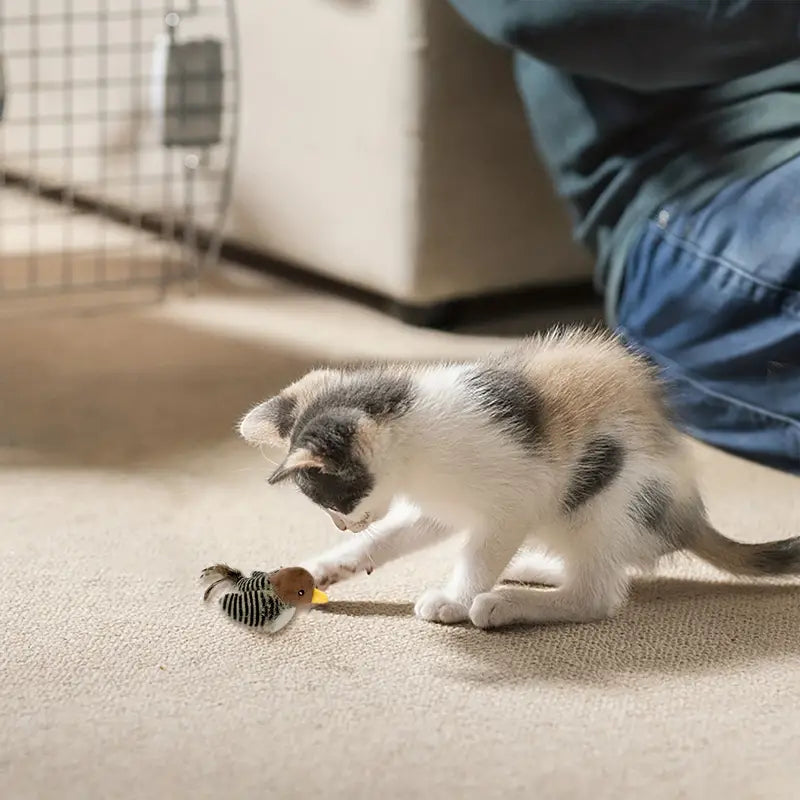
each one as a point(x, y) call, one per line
point(118, 127)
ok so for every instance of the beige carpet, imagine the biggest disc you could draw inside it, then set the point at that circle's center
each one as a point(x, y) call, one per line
point(121, 478)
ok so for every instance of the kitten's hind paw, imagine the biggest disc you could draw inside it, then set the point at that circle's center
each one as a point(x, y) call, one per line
point(435, 605)
point(491, 610)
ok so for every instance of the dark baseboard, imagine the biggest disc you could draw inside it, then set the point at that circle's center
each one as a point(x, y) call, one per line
point(445, 315)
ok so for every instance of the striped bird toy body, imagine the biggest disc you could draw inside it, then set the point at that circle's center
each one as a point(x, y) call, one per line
point(264, 600)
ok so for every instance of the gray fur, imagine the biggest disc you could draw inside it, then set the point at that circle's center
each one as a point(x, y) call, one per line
point(346, 480)
point(777, 558)
point(379, 395)
point(655, 509)
point(328, 426)
point(510, 401)
point(597, 466)
point(781, 557)
point(284, 413)
point(650, 506)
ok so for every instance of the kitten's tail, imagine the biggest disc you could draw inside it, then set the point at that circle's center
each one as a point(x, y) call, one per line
point(771, 558)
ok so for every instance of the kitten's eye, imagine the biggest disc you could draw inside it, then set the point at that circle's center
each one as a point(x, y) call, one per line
point(301, 592)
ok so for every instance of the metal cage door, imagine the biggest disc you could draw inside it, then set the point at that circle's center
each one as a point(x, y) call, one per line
point(118, 126)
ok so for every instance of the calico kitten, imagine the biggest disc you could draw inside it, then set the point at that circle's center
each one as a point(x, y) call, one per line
point(564, 441)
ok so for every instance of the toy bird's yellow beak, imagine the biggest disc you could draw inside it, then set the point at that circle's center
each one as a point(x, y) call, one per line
point(318, 597)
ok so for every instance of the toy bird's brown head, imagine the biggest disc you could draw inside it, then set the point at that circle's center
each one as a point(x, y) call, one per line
point(295, 586)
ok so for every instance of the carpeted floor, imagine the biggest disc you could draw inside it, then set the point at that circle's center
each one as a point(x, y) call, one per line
point(121, 477)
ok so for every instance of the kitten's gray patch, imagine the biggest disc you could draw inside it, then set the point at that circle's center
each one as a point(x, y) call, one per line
point(341, 492)
point(378, 395)
point(282, 414)
point(328, 426)
point(346, 480)
point(650, 505)
point(654, 508)
point(330, 434)
point(510, 401)
point(597, 466)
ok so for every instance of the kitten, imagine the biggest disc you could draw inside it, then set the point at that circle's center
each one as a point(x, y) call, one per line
point(563, 440)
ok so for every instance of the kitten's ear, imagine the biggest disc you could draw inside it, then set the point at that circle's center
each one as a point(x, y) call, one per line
point(297, 459)
point(270, 422)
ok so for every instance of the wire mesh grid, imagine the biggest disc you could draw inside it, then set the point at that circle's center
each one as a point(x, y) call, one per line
point(117, 134)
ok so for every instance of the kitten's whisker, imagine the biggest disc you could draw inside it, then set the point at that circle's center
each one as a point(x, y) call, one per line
point(266, 457)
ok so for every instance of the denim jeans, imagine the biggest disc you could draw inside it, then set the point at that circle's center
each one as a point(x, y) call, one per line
point(712, 296)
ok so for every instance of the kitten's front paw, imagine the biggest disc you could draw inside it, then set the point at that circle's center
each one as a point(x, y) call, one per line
point(491, 610)
point(437, 606)
point(327, 572)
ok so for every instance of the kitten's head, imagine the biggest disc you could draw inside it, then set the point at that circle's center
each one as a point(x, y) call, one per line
point(338, 430)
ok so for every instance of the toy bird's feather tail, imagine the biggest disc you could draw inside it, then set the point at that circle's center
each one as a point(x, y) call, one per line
point(217, 574)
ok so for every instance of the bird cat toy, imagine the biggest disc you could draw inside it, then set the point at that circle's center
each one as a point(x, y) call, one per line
point(266, 600)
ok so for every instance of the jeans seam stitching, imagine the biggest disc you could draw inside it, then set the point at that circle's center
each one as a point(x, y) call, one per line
point(713, 392)
point(723, 262)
